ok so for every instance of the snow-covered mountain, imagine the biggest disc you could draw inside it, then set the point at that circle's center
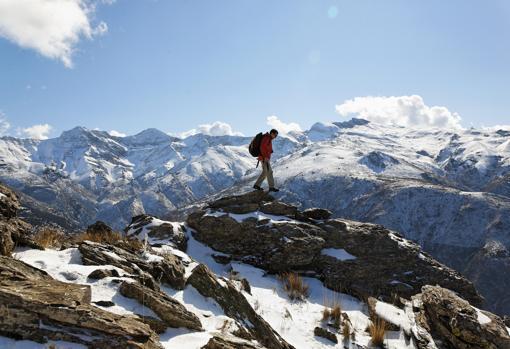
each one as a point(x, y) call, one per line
point(449, 190)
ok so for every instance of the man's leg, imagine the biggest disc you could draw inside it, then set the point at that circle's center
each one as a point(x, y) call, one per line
point(262, 175)
point(269, 174)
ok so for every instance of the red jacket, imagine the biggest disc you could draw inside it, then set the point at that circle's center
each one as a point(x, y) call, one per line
point(266, 147)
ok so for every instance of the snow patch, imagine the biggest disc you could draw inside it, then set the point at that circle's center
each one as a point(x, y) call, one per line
point(338, 253)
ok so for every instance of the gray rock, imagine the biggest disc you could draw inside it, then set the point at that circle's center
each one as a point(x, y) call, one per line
point(169, 270)
point(453, 320)
point(229, 342)
point(235, 305)
point(317, 213)
point(324, 333)
point(103, 273)
point(173, 313)
point(34, 306)
point(162, 232)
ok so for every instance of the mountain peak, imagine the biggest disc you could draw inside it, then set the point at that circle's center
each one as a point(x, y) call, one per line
point(351, 123)
point(149, 136)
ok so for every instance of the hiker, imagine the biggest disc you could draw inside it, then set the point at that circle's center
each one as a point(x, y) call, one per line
point(266, 148)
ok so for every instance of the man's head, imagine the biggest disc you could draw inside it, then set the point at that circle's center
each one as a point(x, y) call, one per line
point(273, 133)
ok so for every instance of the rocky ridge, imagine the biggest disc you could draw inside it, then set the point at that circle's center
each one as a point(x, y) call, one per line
point(172, 292)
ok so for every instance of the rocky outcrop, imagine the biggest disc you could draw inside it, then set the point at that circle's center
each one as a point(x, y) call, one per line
point(324, 333)
point(229, 342)
point(173, 313)
point(35, 306)
point(168, 268)
point(13, 231)
point(169, 232)
point(236, 306)
point(357, 258)
point(453, 321)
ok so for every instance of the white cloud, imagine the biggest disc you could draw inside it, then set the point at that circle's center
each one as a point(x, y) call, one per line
point(37, 131)
point(401, 110)
point(4, 124)
point(116, 133)
point(51, 27)
point(217, 128)
point(282, 127)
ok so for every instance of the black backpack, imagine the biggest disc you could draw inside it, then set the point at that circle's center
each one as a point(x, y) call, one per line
point(254, 146)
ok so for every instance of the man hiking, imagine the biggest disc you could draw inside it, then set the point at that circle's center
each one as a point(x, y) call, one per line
point(266, 148)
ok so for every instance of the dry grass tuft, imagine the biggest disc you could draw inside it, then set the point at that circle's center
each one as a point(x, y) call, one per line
point(377, 330)
point(134, 243)
point(48, 237)
point(326, 314)
point(103, 237)
point(294, 285)
point(346, 330)
point(332, 310)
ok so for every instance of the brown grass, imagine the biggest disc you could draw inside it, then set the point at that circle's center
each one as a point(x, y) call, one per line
point(134, 243)
point(109, 237)
point(346, 330)
point(48, 237)
point(377, 330)
point(332, 310)
point(294, 285)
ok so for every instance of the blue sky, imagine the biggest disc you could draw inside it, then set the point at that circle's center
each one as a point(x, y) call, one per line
point(175, 65)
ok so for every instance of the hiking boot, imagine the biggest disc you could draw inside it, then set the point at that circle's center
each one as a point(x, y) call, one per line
point(274, 189)
point(257, 187)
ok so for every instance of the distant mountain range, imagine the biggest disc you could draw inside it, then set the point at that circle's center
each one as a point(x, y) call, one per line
point(448, 190)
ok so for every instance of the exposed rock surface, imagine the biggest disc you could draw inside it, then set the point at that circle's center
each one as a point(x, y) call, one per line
point(453, 321)
point(103, 273)
point(379, 262)
point(168, 269)
point(143, 223)
point(229, 342)
point(324, 333)
point(35, 306)
point(235, 305)
point(13, 231)
point(168, 309)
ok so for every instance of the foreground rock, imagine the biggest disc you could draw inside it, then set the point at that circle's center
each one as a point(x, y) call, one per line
point(173, 233)
point(235, 305)
point(167, 268)
point(357, 258)
point(34, 306)
point(13, 231)
point(173, 313)
point(452, 320)
point(230, 342)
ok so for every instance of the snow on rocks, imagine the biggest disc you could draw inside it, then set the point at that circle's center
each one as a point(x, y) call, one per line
point(338, 253)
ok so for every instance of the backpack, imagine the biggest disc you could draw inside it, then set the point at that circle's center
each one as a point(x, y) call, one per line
point(254, 146)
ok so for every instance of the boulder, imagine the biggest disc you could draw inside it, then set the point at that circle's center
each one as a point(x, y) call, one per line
point(9, 203)
point(235, 305)
point(103, 273)
point(173, 232)
point(356, 258)
point(168, 269)
point(36, 307)
point(13, 231)
point(278, 208)
point(385, 266)
point(99, 228)
point(229, 342)
point(324, 333)
point(275, 247)
point(173, 313)
point(317, 213)
point(453, 320)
